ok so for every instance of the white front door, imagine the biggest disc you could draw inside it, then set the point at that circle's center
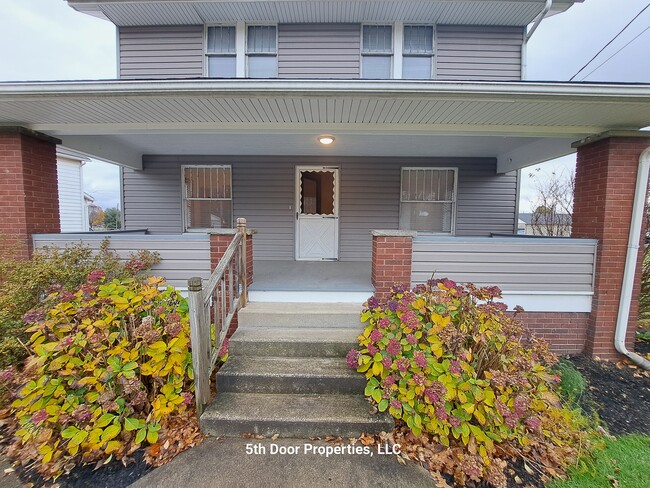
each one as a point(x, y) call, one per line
point(317, 213)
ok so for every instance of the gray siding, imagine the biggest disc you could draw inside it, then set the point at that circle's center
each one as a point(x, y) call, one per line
point(263, 192)
point(478, 53)
point(182, 256)
point(319, 50)
point(513, 264)
point(161, 52)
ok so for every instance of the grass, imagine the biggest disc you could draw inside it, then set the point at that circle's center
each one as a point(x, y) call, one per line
point(623, 463)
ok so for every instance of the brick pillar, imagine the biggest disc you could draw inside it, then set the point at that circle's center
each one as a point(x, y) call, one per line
point(218, 245)
point(392, 253)
point(29, 200)
point(605, 183)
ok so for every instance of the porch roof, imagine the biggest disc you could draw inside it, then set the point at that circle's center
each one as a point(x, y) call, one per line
point(520, 123)
point(156, 12)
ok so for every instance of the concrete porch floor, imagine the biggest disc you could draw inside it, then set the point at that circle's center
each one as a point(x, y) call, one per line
point(312, 282)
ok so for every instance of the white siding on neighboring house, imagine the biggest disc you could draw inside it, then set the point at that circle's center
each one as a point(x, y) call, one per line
point(71, 203)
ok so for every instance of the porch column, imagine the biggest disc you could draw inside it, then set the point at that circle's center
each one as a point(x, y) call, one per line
point(605, 184)
point(29, 201)
point(392, 253)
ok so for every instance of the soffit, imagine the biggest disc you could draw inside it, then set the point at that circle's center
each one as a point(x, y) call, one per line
point(468, 12)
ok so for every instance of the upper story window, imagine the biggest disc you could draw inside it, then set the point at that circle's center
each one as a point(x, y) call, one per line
point(262, 51)
point(417, 60)
point(428, 200)
point(207, 197)
point(377, 51)
point(220, 52)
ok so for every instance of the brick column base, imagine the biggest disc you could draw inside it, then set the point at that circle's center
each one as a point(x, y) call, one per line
point(606, 174)
point(29, 199)
point(392, 253)
point(218, 245)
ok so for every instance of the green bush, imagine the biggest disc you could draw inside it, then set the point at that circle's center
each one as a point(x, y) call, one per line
point(448, 361)
point(572, 384)
point(110, 364)
point(24, 283)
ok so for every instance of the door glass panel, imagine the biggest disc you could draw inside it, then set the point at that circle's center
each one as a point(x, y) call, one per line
point(317, 192)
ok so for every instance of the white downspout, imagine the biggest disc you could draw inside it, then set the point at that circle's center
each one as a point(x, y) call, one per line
point(529, 34)
point(631, 259)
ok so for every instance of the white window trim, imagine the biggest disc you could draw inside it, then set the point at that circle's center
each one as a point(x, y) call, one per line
point(453, 202)
point(247, 54)
point(433, 54)
point(391, 53)
point(184, 198)
point(206, 54)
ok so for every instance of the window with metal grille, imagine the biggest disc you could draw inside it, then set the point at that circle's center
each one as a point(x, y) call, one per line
point(428, 200)
point(261, 51)
point(207, 197)
point(377, 51)
point(220, 52)
point(417, 60)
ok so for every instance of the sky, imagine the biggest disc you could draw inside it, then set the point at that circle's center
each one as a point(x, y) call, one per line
point(47, 40)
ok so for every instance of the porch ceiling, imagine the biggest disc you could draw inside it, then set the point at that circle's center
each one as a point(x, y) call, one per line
point(519, 123)
point(155, 12)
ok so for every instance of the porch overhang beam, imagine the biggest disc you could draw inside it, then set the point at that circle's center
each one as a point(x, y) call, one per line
point(535, 152)
point(103, 148)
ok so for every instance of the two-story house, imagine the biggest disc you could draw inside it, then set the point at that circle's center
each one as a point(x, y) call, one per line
point(365, 142)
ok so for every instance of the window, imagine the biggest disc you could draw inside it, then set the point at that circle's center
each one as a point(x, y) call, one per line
point(261, 51)
point(377, 51)
point(428, 200)
point(418, 52)
point(207, 197)
point(220, 52)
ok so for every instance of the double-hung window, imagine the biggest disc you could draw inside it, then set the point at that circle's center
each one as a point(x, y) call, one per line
point(262, 51)
point(207, 197)
point(220, 52)
point(377, 51)
point(428, 200)
point(417, 55)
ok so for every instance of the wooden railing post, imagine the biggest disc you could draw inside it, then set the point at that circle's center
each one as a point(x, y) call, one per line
point(200, 337)
point(241, 228)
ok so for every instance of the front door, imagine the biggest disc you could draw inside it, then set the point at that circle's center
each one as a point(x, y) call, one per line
point(317, 213)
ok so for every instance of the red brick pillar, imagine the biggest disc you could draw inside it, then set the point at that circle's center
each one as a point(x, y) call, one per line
point(29, 200)
point(605, 184)
point(392, 253)
point(219, 242)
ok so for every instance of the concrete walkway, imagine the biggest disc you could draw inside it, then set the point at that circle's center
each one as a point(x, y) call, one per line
point(224, 463)
point(9, 479)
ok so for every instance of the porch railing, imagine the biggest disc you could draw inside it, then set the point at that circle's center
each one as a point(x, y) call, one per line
point(212, 309)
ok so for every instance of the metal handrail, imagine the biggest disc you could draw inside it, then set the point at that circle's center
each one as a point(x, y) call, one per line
point(212, 309)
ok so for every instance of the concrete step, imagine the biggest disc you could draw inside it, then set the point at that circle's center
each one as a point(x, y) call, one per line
point(307, 296)
point(293, 342)
point(300, 315)
point(289, 375)
point(301, 416)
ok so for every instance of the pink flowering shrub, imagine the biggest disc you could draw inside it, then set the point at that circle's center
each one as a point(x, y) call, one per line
point(448, 361)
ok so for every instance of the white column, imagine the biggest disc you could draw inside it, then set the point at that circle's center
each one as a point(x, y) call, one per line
point(398, 48)
point(240, 49)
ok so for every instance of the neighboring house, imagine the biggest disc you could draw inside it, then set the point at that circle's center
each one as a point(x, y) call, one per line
point(558, 225)
point(90, 208)
point(73, 214)
point(384, 136)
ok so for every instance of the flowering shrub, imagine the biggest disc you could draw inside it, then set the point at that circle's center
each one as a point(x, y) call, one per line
point(447, 360)
point(110, 365)
point(24, 283)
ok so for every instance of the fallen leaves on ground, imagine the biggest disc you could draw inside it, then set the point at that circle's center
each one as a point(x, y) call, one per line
point(183, 432)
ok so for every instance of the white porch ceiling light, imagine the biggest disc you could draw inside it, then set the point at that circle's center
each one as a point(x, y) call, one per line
point(326, 139)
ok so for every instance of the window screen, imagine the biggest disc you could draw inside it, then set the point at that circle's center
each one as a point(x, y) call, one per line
point(418, 52)
point(261, 51)
point(220, 51)
point(428, 200)
point(377, 51)
point(207, 197)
